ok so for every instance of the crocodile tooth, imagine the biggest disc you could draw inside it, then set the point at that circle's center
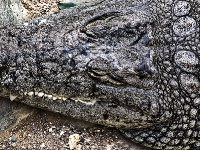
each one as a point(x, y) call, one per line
point(59, 97)
point(25, 93)
point(64, 98)
point(87, 103)
point(54, 98)
point(40, 94)
point(30, 93)
point(26, 23)
point(36, 93)
point(49, 96)
point(45, 95)
point(12, 97)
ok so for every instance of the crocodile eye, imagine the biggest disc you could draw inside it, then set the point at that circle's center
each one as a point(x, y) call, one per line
point(99, 66)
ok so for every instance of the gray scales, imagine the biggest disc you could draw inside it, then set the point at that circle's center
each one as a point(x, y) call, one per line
point(124, 64)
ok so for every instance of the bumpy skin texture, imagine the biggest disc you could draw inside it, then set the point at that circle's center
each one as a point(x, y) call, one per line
point(124, 64)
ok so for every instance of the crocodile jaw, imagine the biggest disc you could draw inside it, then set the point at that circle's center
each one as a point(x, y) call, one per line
point(78, 74)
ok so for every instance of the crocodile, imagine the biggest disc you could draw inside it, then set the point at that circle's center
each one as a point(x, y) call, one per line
point(131, 65)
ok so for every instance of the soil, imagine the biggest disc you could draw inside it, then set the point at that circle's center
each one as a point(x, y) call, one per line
point(39, 129)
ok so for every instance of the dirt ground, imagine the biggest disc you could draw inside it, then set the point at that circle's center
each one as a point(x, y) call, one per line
point(33, 128)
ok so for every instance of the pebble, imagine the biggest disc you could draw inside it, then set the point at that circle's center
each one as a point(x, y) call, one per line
point(73, 140)
point(57, 128)
point(14, 139)
point(61, 133)
point(50, 129)
point(109, 147)
point(42, 145)
point(13, 144)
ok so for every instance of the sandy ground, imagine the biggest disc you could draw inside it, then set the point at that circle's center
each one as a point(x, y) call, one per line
point(33, 128)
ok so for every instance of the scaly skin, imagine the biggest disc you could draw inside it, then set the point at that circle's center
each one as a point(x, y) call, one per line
point(124, 64)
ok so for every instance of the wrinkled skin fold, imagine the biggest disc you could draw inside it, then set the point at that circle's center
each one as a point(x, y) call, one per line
point(130, 65)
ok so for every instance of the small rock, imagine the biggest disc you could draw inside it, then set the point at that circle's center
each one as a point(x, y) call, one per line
point(109, 147)
point(53, 127)
point(13, 144)
point(79, 147)
point(42, 145)
point(57, 129)
point(65, 146)
point(14, 139)
point(61, 133)
point(73, 140)
point(50, 129)
point(23, 147)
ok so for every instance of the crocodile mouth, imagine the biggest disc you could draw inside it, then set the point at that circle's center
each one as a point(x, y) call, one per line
point(120, 107)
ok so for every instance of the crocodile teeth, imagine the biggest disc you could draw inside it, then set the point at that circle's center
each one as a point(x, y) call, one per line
point(43, 94)
point(40, 94)
point(30, 93)
point(64, 99)
point(88, 103)
point(54, 98)
point(49, 96)
point(12, 97)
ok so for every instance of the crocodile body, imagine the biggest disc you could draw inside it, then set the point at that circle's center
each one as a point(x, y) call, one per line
point(127, 64)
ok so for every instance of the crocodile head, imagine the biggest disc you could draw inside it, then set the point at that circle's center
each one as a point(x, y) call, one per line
point(102, 70)
point(130, 67)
